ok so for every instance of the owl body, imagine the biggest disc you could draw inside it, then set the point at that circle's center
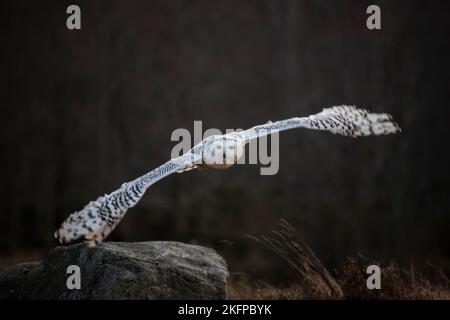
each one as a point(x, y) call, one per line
point(223, 151)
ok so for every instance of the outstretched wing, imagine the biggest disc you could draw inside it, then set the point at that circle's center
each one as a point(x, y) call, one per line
point(344, 120)
point(98, 218)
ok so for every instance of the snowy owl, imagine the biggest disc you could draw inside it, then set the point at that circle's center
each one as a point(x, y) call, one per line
point(99, 218)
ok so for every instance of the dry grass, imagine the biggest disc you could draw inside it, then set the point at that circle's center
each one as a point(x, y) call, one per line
point(315, 282)
point(313, 279)
point(263, 291)
point(397, 283)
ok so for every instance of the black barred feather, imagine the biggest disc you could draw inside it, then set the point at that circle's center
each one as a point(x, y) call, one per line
point(99, 218)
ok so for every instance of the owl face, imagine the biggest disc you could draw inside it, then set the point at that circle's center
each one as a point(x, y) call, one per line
point(223, 152)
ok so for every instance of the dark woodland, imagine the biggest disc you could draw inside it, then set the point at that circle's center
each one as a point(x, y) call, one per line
point(84, 111)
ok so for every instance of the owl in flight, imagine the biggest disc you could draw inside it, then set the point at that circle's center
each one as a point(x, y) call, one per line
point(99, 218)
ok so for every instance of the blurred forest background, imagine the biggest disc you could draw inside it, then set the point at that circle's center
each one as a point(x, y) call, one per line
point(84, 111)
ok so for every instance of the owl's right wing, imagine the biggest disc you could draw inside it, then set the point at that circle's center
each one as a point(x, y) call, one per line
point(98, 218)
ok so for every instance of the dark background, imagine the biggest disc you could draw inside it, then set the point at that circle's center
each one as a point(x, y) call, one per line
point(84, 111)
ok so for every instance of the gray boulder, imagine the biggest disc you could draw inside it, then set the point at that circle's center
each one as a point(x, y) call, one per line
point(120, 270)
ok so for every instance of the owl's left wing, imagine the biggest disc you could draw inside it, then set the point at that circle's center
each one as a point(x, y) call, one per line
point(343, 120)
point(98, 218)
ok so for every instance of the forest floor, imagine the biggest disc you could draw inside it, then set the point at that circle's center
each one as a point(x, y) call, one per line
point(396, 284)
point(313, 280)
point(349, 281)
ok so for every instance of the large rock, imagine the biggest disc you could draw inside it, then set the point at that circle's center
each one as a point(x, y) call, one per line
point(116, 270)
